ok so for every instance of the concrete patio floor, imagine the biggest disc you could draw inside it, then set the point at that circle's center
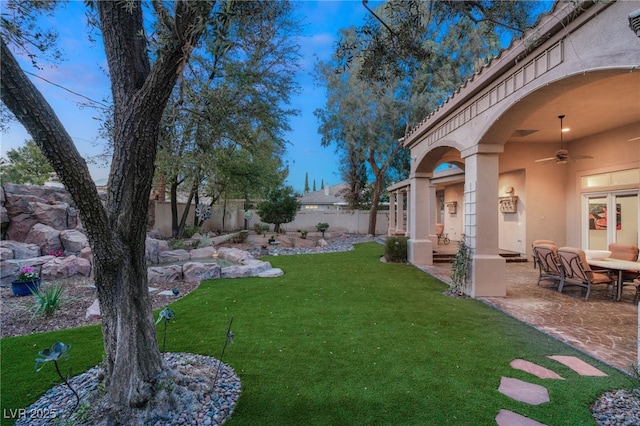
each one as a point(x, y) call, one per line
point(605, 329)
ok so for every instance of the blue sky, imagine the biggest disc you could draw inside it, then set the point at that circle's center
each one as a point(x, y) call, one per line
point(83, 73)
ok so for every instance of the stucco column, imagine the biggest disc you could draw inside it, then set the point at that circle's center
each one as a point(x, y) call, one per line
point(407, 232)
point(488, 277)
point(420, 246)
point(400, 213)
point(392, 213)
point(434, 212)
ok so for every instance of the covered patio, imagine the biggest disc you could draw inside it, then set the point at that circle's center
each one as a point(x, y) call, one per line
point(605, 329)
point(535, 141)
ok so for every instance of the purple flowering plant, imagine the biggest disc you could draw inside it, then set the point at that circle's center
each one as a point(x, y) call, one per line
point(27, 274)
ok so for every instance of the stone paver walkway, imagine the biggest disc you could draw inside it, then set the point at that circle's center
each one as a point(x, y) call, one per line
point(534, 394)
point(605, 329)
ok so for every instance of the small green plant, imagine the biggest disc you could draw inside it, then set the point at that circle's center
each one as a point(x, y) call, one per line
point(321, 227)
point(58, 351)
point(261, 228)
point(460, 268)
point(177, 244)
point(165, 315)
point(47, 302)
point(205, 241)
point(395, 249)
point(189, 230)
point(303, 233)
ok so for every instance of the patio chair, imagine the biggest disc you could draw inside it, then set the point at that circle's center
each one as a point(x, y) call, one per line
point(537, 243)
point(576, 271)
point(627, 252)
point(546, 256)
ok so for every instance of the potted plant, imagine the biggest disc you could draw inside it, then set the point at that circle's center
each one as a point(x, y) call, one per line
point(26, 283)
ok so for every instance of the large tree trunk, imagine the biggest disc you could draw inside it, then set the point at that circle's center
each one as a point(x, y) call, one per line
point(375, 200)
point(117, 233)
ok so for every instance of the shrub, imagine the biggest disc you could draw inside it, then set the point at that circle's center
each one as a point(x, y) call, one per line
point(189, 230)
point(205, 241)
point(460, 268)
point(48, 302)
point(177, 244)
point(395, 249)
point(261, 228)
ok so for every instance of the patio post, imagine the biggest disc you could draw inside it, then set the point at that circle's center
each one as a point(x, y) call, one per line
point(400, 213)
point(488, 275)
point(392, 213)
point(420, 246)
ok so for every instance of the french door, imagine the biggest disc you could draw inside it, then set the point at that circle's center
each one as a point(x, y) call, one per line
point(611, 217)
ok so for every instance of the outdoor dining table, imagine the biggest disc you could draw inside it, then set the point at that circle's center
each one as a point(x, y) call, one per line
point(615, 265)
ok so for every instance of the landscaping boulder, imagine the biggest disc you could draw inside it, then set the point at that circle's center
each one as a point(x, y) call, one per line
point(164, 274)
point(63, 267)
point(9, 268)
point(249, 269)
point(53, 215)
point(21, 250)
point(197, 272)
point(173, 256)
point(73, 241)
point(203, 253)
point(93, 311)
point(46, 237)
point(235, 255)
point(153, 248)
point(6, 253)
point(20, 226)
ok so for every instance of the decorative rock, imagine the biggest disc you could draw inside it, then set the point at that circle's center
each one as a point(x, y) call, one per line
point(526, 392)
point(153, 247)
point(578, 365)
point(20, 225)
point(509, 418)
point(251, 268)
point(93, 311)
point(73, 241)
point(535, 369)
point(322, 242)
point(4, 217)
point(196, 271)
point(202, 253)
point(6, 253)
point(235, 255)
point(46, 237)
point(10, 268)
point(164, 274)
point(62, 267)
point(21, 250)
point(173, 256)
point(271, 273)
point(53, 215)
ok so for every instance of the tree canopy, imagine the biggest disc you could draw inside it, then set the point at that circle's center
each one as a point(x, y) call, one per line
point(143, 71)
point(25, 165)
point(279, 206)
point(386, 75)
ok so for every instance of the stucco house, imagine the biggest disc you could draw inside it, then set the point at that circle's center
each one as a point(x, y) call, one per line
point(328, 198)
point(542, 141)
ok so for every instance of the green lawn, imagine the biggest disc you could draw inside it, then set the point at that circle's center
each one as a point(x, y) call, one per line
point(344, 339)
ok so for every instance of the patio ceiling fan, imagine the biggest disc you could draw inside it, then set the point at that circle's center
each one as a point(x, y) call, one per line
point(562, 155)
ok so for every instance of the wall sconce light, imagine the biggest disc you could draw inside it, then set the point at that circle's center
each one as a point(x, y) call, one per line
point(509, 204)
